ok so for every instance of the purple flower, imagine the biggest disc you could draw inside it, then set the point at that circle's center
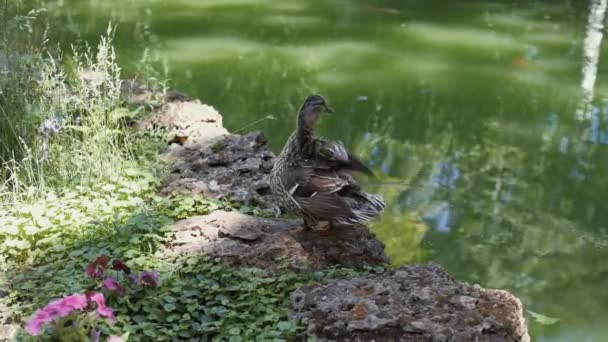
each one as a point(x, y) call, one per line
point(112, 285)
point(132, 278)
point(150, 278)
point(95, 335)
point(51, 125)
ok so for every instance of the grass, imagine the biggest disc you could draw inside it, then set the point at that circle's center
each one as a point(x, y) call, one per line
point(62, 119)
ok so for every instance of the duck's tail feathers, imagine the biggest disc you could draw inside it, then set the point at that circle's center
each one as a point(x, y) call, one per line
point(365, 209)
point(375, 200)
point(357, 165)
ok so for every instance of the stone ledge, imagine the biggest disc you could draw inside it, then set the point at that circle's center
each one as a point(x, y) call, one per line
point(245, 240)
point(410, 303)
point(413, 303)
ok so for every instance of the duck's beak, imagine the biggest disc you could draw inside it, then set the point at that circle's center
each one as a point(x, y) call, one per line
point(328, 109)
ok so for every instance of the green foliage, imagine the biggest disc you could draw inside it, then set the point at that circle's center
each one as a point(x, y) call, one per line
point(61, 118)
point(180, 206)
point(198, 296)
point(204, 298)
point(184, 205)
point(60, 220)
point(61, 233)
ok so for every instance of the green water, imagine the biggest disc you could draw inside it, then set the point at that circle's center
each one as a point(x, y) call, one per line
point(465, 109)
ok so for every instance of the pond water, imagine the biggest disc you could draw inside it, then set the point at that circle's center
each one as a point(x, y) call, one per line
point(491, 151)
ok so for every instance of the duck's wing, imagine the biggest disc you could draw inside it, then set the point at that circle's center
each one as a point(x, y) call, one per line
point(329, 195)
point(335, 153)
point(317, 190)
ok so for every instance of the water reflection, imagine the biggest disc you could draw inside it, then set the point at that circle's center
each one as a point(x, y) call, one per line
point(466, 110)
point(591, 54)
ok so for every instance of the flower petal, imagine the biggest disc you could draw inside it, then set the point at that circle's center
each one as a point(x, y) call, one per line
point(95, 335)
point(76, 301)
point(102, 260)
point(33, 327)
point(151, 278)
point(118, 265)
point(97, 267)
point(102, 309)
point(113, 285)
point(90, 270)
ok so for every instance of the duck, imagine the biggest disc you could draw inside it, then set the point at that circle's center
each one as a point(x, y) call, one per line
point(313, 177)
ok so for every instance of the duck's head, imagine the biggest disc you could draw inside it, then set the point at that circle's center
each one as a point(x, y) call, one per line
point(312, 108)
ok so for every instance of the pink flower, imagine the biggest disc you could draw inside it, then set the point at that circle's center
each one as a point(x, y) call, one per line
point(65, 306)
point(102, 309)
point(115, 339)
point(76, 301)
point(34, 325)
point(61, 307)
point(150, 278)
point(112, 285)
point(96, 268)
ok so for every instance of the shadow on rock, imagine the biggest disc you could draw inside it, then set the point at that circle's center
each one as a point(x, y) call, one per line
point(206, 159)
point(253, 241)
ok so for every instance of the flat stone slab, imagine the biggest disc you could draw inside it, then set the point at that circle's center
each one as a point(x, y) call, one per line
point(253, 241)
point(411, 303)
point(235, 167)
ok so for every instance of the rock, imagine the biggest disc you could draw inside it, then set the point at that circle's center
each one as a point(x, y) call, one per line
point(235, 168)
point(411, 303)
point(192, 121)
point(205, 159)
point(253, 241)
point(135, 93)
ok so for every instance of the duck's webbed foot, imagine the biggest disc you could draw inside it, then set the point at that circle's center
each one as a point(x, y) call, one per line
point(323, 227)
point(327, 228)
point(309, 224)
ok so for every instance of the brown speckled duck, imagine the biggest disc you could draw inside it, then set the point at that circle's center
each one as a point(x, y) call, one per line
point(312, 176)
